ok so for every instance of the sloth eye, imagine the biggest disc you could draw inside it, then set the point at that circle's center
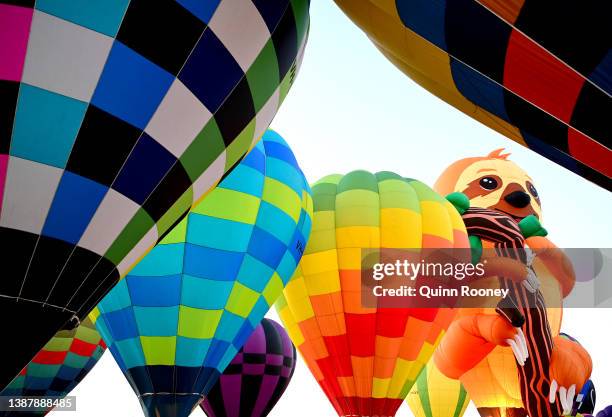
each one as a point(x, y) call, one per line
point(489, 183)
point(532, 189)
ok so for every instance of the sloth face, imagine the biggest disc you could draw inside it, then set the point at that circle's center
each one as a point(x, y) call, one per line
point(501, 185)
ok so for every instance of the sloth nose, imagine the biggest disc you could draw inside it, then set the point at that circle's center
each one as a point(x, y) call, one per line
point(518, 199)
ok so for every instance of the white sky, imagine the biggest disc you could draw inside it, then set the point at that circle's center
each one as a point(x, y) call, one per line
point(351, 109)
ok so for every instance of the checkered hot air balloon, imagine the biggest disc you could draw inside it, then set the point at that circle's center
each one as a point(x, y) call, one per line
point(538, 72)
point(58, 368)
point(256, 378)
point(366, 359)
point(116, 116)
point(182, 314)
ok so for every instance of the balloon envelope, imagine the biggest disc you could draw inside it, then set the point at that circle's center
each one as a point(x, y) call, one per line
point(586, 399)
point(606, 412)
point(59, 367)
point(181, 315)
point(365, 359)
point(493, 384)
point(115, 118)
point(435, 395)
point(539, 74)
point(256, 378)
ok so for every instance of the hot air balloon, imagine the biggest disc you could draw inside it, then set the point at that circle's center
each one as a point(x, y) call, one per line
point(256, 378)
point(116, 117)
point(435, 395)
point(539, 74)
point(365, 359)
point(181, 315)
point(62, 363)
point(494, 383)
point(586, 399)
point(606, 412)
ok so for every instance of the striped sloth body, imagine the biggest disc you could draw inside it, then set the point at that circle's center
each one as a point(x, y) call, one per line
point(500, 232)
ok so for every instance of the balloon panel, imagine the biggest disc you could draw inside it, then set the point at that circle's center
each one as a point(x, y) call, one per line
point(538, 74)
point(59, 367)
point(257, 376)
point(606, 412)
point(112, 125)
point(435, 395)
point(365, 359)
point(181, 315)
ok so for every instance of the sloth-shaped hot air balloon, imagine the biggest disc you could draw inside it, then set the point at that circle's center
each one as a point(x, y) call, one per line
point(58, 368)
point(256, 378)
point(548, 370)
point(536, 72)
point(183, 313)
point(115, 118)
point(366, 358)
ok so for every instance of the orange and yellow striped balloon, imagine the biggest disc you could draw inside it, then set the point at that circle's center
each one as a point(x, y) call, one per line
point(366, 359)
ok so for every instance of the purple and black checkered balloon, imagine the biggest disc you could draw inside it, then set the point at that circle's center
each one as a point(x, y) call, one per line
point(256, 378)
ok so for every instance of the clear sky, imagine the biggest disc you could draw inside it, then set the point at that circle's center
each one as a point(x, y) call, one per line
point(351, 109)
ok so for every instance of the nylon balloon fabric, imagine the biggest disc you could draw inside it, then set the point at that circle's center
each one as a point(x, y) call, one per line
point(116, 117)
point(366, 359)
point(493, 383)
point(256, 378)
point(606, 412)
point(435, 395)
point(179, 318)
point(586, 397)
point(538, 73)
point(534, 379)
point(58, 368)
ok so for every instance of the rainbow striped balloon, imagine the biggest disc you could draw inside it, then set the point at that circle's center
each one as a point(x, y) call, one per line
point(59, 367)
point(366, 359)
